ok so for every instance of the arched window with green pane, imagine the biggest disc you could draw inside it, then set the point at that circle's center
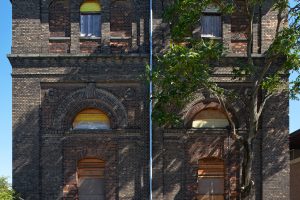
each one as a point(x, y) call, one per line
point(90, 19)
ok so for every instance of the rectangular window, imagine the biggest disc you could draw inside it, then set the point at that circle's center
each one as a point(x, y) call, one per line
point(91, 184)
point(211, 25)
point(90, 25)
point(211, 179)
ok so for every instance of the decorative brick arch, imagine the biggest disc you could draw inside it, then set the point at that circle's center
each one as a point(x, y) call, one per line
point(75, 5)
point(90, 97)
point(197, 107)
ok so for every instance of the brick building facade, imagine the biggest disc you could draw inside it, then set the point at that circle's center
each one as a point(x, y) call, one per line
point(60, 70)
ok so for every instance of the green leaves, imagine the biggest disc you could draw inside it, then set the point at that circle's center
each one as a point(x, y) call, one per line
point(188, 65)
point(6, 193)
point(184, 15)
point(180, 72)
point(286, 45)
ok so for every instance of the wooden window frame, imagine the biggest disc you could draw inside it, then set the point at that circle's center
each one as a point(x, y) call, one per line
point(214, 168)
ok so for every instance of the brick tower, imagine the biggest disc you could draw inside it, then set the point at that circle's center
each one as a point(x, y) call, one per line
point(80, 107)
point(79, 104)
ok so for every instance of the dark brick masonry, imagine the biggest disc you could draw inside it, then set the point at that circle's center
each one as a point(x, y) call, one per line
point(57, 73)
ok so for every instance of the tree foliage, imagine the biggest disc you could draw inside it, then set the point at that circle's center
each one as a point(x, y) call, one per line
point(187, 66)
point(173, 80)
point(6, 193)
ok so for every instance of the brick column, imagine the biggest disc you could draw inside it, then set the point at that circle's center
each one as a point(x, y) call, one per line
point(75, 31)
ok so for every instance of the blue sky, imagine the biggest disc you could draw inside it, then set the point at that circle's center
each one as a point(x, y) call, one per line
point(5, 93)
point(5, 89)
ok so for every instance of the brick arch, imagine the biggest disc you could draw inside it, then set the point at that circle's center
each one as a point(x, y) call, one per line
point(199, 106)
point(99, 99)
point(102, 150)
point(74, 5)
point(77, 3)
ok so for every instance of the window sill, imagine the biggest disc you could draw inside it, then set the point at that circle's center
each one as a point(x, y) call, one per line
point(89, 38)
point(119, 38)
point(90, 131)
point(59, 38)
point(211, 37)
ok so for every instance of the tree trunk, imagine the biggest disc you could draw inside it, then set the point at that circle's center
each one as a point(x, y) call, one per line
point(247, 183)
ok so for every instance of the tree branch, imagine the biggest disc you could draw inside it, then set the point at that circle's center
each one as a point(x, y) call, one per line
point(262, 105)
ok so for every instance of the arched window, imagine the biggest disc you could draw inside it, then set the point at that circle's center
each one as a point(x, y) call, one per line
point(210, 118)
point(211, 179)
point(90, 174)
point(91, 118)
point(90, 19)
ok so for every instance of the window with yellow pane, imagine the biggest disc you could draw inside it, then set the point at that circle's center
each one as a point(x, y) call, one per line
point(91, 118)
point(210, 118)
point(90, 18)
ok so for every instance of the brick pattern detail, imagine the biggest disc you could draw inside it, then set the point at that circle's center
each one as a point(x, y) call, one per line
point(59, 46)
point(121, 18)
point(239, 29)
point(239, 47)
point(90, 46)
point(54, 77)
point(59, 19)
point(120, 46)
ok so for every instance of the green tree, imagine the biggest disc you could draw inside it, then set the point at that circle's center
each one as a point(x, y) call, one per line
point(187, 67)
point(6, 192)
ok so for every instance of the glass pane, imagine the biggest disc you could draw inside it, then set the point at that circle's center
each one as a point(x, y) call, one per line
point(90, 25)
point(96, 25)
point(211, 26)
point(210, 186)
point(210, 118)
point(91, 119)
point(83, 25)
point(90, 6)
point(91, 189)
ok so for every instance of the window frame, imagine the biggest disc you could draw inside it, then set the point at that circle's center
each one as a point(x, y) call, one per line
point(90, 13)
point(216, 176)
point(194, 118)
point(212, 12)
point(82, 112)
point(86, 169)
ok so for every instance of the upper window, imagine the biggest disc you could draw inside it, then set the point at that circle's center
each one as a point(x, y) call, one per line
point(211, 23)
point(210, 118)
point(211, 179)
point(90, 19)
point(91, 119)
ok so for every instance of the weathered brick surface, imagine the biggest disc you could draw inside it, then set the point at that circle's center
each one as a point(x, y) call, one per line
point(26, 136)
point(56, 74)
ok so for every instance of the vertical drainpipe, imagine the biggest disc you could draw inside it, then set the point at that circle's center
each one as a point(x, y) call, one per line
point(150, 102)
